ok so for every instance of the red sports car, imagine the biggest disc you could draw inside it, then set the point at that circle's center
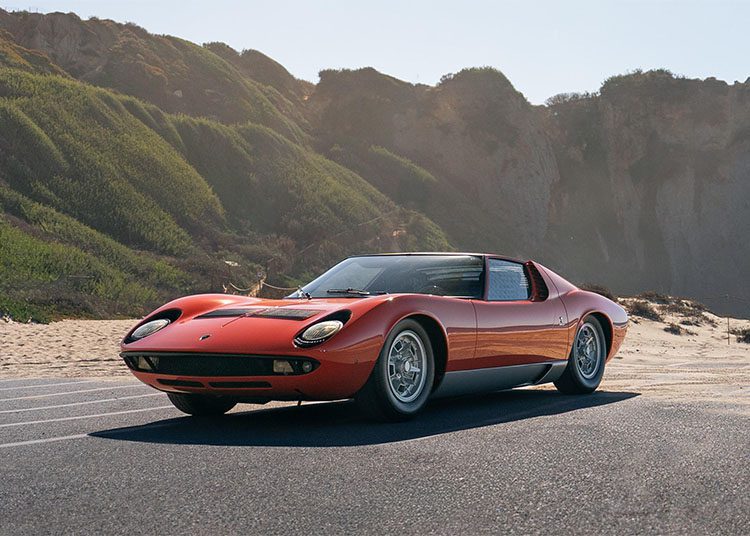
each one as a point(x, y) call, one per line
point(389, 330)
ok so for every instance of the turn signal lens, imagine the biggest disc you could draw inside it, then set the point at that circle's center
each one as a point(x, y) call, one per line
point(145, 363)
point(321, 331)
point(281, 366)
point(149, 328)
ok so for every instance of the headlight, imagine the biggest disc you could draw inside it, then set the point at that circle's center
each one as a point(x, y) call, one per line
point(149, 328)
point(320, 332)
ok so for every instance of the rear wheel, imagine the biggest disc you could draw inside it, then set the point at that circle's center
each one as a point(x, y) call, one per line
point(402, 378)
point(585, 368)
point(201, 405)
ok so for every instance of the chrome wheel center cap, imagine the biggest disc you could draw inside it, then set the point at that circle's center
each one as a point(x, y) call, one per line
point(407, 367)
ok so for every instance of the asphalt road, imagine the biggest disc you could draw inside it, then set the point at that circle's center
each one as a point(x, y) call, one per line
point(105, 457)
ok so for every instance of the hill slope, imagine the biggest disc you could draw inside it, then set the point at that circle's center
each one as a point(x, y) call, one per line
point(110, 205)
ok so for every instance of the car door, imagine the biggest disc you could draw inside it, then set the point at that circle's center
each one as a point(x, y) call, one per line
point(516, 323)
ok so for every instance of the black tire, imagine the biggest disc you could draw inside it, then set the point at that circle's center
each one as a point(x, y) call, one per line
point(378, 399)
point(201, 405)
point(578, 379)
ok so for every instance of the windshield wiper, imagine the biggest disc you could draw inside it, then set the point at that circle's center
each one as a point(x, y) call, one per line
point(354, 291)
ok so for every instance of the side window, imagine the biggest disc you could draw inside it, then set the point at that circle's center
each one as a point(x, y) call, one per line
point(507, 281)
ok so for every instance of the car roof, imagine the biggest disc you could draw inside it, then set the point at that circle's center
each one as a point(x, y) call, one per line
point(439, 253)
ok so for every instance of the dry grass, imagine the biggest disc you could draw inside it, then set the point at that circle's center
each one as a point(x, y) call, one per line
point(680, 311)
point(599, 289)
point(676, 329)
point(743, 335)
point(655, 297)
point(643, 309)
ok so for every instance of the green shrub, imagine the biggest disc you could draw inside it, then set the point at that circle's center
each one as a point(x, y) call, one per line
point(23, 311)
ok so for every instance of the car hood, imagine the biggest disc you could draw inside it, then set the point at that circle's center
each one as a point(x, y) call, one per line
point(241, 325)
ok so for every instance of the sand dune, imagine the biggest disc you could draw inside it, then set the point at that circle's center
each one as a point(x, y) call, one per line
point(698, 365)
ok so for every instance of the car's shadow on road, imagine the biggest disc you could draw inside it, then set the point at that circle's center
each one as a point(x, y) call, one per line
point(339, 424)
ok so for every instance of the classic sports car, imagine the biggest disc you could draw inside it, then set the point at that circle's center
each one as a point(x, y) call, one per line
point(389, 330)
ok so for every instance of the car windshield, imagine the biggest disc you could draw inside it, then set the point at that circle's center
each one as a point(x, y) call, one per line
point(443, 275)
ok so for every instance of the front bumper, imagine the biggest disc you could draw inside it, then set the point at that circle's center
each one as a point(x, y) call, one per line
point(248, 376)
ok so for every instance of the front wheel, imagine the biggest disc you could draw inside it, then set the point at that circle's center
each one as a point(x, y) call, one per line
point(201, 405)
point(402, 378)
point(585, 368)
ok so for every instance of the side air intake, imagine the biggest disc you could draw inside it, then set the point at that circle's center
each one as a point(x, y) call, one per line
point(539, 290)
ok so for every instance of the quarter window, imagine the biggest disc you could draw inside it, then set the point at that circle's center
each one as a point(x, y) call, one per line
point(507, 281)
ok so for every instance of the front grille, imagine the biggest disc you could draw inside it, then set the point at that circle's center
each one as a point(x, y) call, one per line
point(240, 385)
point(187, 364)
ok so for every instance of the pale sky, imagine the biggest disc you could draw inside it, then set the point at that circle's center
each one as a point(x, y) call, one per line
point(544, 47)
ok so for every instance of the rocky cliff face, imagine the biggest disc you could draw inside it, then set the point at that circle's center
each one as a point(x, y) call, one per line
point(485, 145)
point(644, 185)
point(655, 186)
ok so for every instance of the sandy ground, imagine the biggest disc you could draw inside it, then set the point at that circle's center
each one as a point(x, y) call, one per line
point(70, 348)
point(698, 365)
point(701, 364)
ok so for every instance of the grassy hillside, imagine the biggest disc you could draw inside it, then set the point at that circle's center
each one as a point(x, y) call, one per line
point(52, 265)
point(18, 57)
point(287, 93)
point(79, 150)
point(110, 206)
point(176, 75)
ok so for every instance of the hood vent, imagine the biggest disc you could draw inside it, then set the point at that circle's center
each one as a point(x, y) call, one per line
point(262, 312)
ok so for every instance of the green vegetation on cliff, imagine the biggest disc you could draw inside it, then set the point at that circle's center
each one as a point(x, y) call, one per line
point(110, 206)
